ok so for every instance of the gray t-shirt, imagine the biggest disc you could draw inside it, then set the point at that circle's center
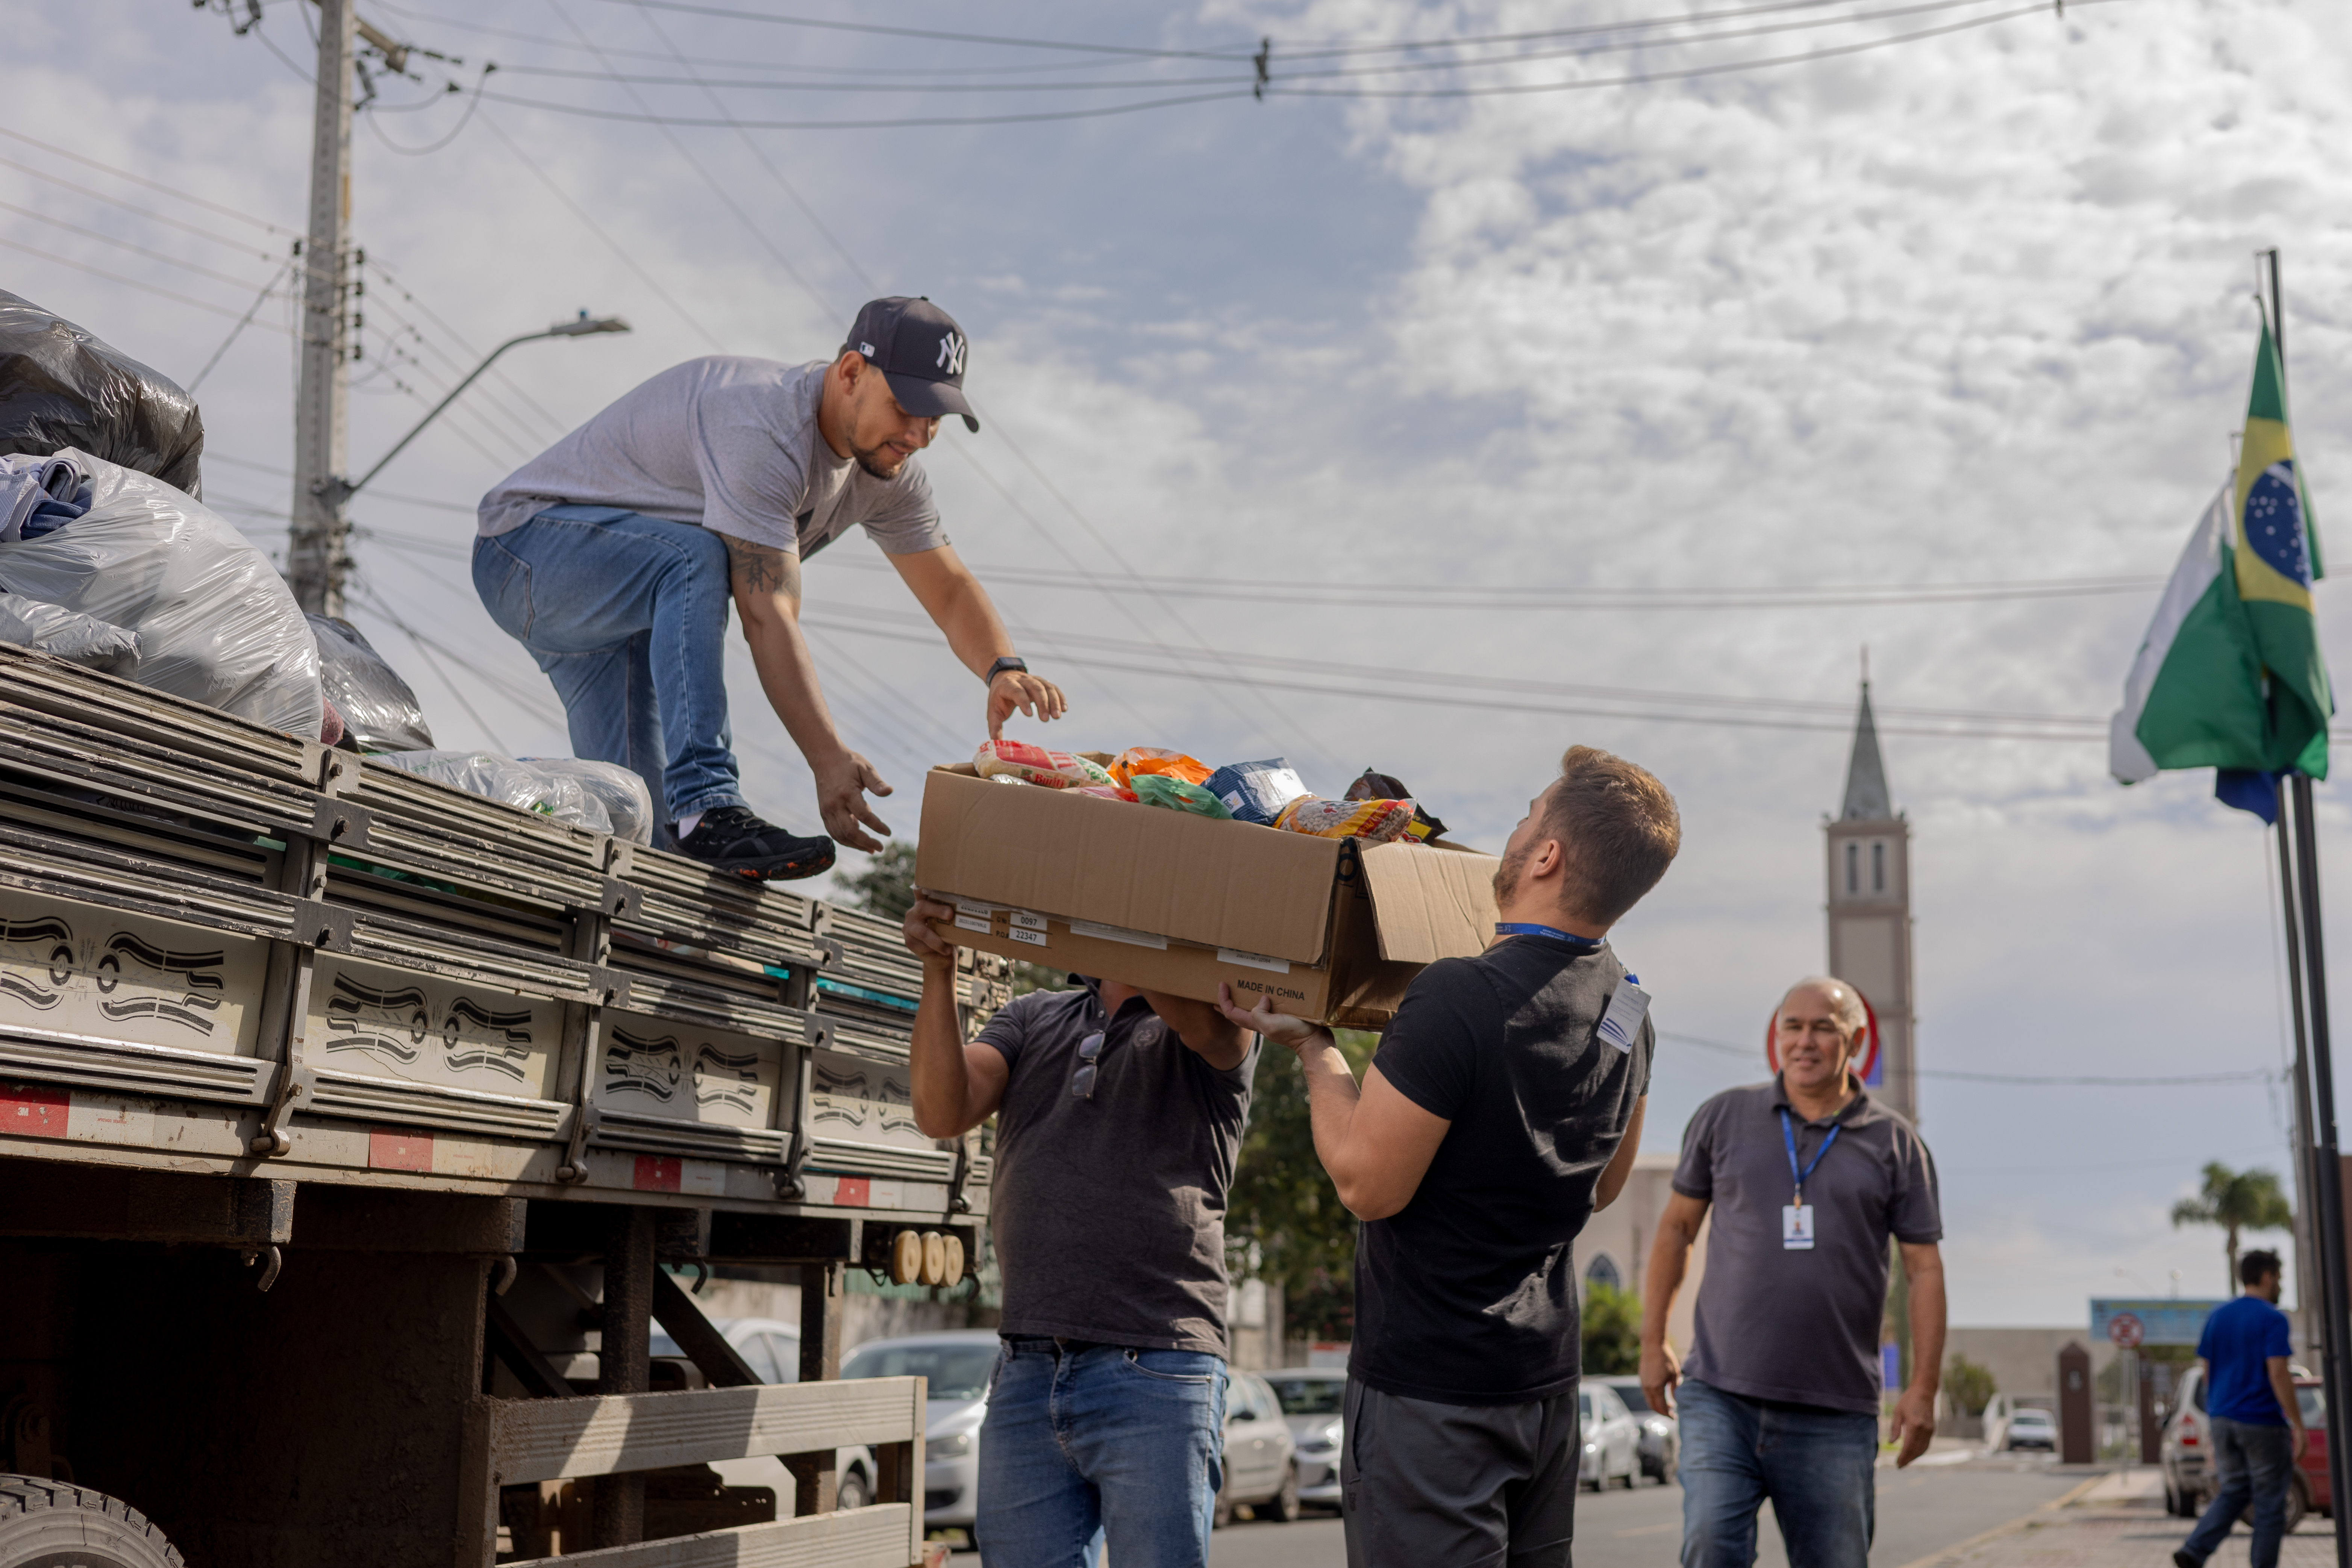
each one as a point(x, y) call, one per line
point(728, 443)
point(1800, 1326)
point(1109, 1211)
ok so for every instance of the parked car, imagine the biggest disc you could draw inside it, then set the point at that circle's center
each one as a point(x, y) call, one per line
point(959, 1364)
point(1261, 1460)
point(772, 1351)
point(1612, 1439)
point(2189, 1483)
point(1312, 1398)
point(1662, 1440)
point(2030, 1428)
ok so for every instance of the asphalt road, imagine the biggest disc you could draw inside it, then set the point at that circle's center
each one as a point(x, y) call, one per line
point(1920, 1511)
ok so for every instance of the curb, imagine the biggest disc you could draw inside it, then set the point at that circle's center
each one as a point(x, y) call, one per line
point(1946, 1554)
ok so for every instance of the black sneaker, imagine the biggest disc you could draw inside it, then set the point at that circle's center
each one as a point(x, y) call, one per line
point(730, 839)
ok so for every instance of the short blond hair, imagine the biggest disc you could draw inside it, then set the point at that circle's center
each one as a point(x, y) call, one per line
point(1617, 826)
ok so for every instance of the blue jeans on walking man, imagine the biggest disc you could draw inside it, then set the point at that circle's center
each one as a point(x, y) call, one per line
point(2252, 1462)
point(1816, 1466)
point(628, 615)
point(1084, 1441)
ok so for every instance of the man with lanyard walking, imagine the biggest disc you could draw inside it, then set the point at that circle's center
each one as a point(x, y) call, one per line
point(1807, 1177)
point(2252, 1416)
point(614, 555)
point(1502, 1107)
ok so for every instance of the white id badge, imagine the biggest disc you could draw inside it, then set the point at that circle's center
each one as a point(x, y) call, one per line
point(1797, 1226)
point(1627, 1006)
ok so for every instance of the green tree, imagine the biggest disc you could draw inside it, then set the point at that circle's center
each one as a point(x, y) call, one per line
point(1612, 1331)
point(2236, 1201)
point(1971, 1385)
point(1283, 1201)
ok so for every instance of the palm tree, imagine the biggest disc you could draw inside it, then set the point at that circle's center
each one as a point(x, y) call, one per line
point(2236, 1200)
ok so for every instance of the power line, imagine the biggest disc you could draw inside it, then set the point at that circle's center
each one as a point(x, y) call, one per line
point(127, 282)
point(905, 123)
point(497, 372)
point(879, 30)
point(242, 247)
point(151, 185)
point(235, 331)
point(105, 238)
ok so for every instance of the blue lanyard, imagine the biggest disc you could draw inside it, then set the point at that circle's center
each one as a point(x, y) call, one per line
point(1582, 945)
point(1789, 1137)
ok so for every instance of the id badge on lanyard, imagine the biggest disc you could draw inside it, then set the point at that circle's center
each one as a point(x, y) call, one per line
point(1797, 1214)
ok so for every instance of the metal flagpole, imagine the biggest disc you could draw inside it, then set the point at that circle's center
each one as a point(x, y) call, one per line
point(2309, 1294)
point(2326, 1156)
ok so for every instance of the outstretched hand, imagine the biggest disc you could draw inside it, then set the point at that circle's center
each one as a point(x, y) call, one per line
point(841, 786)
point(1017, 688)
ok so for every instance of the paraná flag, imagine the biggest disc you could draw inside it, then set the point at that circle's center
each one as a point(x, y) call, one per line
point(2229, 675)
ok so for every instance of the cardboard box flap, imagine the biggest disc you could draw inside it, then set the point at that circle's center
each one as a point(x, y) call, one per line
point(1430, 904)
point(1220, 884)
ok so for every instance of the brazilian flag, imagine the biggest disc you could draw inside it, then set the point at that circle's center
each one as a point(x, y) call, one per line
point(2229, 676)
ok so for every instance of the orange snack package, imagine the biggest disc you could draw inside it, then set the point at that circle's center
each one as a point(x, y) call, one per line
point(1373, 820)
point(1143, 761)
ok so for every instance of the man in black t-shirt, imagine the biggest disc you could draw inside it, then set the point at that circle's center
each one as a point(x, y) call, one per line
point(1502, 1107)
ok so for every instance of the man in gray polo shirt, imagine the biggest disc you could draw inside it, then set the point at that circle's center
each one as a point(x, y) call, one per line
point(1120, 1115)
point(614, 555)
point(1807, 1177)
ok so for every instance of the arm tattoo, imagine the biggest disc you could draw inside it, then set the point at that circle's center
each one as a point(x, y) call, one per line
point(762, 568)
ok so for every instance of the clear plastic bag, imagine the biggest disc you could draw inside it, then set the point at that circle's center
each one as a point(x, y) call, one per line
point(67, 634)
point(213, 620)
point(565, 788)
point(380, 711)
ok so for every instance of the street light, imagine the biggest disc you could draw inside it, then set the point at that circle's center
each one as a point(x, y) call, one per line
point(583, 326)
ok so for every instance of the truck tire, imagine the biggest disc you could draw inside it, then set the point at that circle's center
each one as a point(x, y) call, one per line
point(50, 1524)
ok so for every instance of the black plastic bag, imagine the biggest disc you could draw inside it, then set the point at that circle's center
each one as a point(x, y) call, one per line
point(380, 712)
point(59, 386)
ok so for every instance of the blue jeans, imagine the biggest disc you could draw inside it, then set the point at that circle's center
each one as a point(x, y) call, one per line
point(2252, 1462)
point(1814, 1465)
point(627, 616)
point(1088, 1441)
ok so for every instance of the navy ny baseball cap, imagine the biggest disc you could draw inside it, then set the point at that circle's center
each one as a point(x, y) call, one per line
point(919, 351)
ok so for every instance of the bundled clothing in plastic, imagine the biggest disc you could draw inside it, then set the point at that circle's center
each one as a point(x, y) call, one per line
point(149, 584)
point(61, 387)
point(603, 796)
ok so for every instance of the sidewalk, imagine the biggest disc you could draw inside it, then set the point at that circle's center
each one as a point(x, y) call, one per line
point(2117, 1521)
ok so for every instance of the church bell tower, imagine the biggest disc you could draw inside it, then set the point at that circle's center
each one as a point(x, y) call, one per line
point(1869, 848)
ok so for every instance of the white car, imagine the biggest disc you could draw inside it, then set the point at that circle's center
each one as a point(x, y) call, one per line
point(772, 1351)
point(959, 1364)
point(1612, 1439)
point(1312, 1399)
point(1261, 1463)
point(2031, 1429)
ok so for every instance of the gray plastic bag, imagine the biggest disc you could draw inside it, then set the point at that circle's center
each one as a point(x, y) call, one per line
point(380, 711)
point(67, 634)
point(211, 619)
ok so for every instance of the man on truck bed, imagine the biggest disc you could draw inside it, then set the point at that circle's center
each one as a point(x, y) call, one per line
point(614, 554)
point(1120, 1115)
point(1502, 1107)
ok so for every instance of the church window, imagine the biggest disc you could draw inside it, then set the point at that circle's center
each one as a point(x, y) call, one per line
point(1853, 867)
point(1602, 1270)
point(1878, 867)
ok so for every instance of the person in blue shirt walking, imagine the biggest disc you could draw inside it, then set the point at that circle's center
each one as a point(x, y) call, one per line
point(2254, 1424)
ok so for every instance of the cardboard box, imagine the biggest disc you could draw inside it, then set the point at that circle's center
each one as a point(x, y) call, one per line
point(1165, 899)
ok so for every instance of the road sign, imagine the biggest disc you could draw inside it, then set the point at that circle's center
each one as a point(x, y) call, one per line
point(2125, 1329)
point(2162, 1321)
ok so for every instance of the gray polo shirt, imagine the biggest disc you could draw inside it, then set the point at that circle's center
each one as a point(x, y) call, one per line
point(731, 444)
point(1800, 1327)
point(1109, 1211)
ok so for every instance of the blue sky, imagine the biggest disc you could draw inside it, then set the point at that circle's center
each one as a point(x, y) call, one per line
point(1973, 308)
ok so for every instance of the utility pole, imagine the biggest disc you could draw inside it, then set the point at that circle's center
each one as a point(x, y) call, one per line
point(316, 562)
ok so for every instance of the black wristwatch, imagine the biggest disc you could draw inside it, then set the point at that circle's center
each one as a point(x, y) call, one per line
point(1009, 661)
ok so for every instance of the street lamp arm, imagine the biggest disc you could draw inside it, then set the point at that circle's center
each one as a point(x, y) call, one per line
point(353, 487)
point(583, 327)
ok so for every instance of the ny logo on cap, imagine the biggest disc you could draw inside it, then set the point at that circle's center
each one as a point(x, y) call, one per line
point(952, 353)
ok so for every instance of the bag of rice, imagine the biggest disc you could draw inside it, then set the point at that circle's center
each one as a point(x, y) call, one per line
point(1144, 762)
point(1373, 820)
point(1176, 795)
point(1034, 765)
point(1105, 792)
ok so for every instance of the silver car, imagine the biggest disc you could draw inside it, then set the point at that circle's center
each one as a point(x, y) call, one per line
point(1312, 1398)
point(1612, 1440)
point(1660, 1439)
point(959, 1365)
point(1261, 1464)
